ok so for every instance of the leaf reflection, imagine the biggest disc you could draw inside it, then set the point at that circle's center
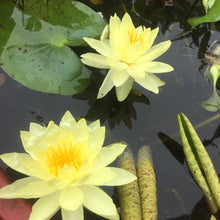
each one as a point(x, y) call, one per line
point(174, 147)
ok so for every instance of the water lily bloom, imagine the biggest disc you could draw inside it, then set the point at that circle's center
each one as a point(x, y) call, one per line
point(66, 164)
point(128, 53)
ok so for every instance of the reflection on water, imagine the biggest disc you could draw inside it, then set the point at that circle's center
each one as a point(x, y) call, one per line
point(144, 118)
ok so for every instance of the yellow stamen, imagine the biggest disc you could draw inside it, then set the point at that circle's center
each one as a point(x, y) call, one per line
point(135, 35)
point(65, 153)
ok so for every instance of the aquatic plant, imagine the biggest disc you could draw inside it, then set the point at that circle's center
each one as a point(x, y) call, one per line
point(35, 43)
point(129, 197)
point(212, 74)
point(65, 165)
point(138, 199)
point(212, 13)
point(128, 53)
point(199, 163)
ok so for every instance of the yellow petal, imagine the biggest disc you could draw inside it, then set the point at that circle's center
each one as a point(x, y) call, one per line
point(13, 160)
point(96, 138)
point(68, 173)
point(80, 131)
point(10, 191)
point(23, 163)
point(159, 68)
point(77, 214)
point(155, 52)
point(123, 177)
point(140, 67)
point(114, 33)
point(95, 60)
point(115, 63)
point(94, 125)
point(40, 188)
point(71, 198)
point(145, 42)
point(123, 90)
point(105, 33)
point(124, 42)
point(67, 121)
point(149, 43)
point(102, 204)
point(99, 46)
point(37, 129)
point(133, 51)
point(150, 82)
point(106, 85)
point(135, 71)
point(52, 135)
point(30, 140)
point(108, 154)
point(119, 77)
point(45, 207)
point(97, 177)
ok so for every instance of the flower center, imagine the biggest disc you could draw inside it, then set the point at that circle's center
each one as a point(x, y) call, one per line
point(65, 153)
point(135, 34)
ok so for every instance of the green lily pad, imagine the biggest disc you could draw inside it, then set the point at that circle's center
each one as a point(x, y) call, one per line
point(212, 15)
point(36, 53)
point(43, 67)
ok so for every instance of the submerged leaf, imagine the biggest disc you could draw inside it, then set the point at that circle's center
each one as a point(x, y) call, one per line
point(199, 163)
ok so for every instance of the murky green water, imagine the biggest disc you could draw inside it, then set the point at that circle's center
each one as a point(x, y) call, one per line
point(143, 119)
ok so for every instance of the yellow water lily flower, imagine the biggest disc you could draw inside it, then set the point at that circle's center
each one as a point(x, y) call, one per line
point(66, 164)
point(128, 53)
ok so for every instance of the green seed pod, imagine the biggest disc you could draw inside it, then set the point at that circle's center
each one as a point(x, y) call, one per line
point(129, 198)
point(147, 184)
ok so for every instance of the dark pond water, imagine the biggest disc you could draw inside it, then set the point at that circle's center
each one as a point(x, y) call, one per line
point(143, 119)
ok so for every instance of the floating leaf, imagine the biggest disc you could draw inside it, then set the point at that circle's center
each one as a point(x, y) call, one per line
point(44, 67)
point(37, 54)
point(199, 163)
point(213, 15)
point(129, 198)
point(147, 184)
